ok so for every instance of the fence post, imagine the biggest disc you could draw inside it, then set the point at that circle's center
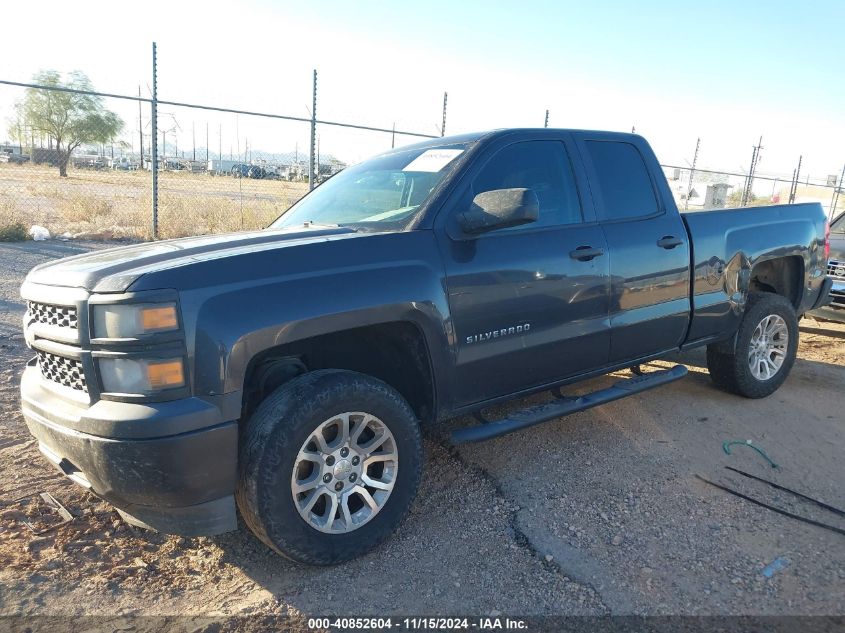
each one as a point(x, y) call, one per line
point(312, 157)
point(154, 146)
point(443, 127)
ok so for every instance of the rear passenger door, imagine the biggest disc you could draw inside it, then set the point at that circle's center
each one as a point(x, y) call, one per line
point(527, 307)
point(648, 246)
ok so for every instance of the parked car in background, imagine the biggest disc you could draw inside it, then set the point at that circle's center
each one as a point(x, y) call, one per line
point(836, 271)
point(242, 170)
point(15, 159)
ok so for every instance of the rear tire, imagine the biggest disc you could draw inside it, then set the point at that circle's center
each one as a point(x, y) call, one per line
point(283, 467)
point(766, 345)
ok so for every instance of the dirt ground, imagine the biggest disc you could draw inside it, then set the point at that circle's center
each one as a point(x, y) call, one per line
point(598, 513)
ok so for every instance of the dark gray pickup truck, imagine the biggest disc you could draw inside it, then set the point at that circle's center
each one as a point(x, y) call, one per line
point(287, 372)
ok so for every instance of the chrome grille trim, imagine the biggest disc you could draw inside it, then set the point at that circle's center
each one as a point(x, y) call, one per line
point(57, 316)
point(61, 370)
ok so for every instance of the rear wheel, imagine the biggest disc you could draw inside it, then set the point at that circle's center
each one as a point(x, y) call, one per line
point(766, 345)
point(330, 464)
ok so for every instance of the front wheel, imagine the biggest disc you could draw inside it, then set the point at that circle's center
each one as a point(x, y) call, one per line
point(330, 463)
point(766, 345)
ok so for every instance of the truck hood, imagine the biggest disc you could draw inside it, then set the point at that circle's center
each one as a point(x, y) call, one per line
point(115, 269)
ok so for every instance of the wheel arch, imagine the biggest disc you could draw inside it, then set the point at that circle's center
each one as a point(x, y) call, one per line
point(396, 352)
point(781, 275)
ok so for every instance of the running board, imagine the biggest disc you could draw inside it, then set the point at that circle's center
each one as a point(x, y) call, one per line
point(566, 406)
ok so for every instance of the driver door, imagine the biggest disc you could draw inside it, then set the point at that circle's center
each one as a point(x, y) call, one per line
point(526, 309)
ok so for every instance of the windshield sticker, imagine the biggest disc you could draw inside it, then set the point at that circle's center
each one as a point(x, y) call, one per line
point(433, 160)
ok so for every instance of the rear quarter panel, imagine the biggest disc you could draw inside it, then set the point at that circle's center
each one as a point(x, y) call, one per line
point(727, 244)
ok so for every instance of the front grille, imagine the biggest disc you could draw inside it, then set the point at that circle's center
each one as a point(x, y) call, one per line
point(61, 316)
point(65, 371)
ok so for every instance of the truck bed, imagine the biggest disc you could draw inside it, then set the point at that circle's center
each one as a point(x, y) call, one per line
point(727, 243)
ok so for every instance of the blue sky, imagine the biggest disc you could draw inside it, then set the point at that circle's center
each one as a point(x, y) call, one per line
point(727, 72)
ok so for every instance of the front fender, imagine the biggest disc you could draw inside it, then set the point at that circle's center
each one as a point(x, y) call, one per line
point(236, 323)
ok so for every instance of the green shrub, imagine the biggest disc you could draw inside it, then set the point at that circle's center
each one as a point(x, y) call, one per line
point(15, 232)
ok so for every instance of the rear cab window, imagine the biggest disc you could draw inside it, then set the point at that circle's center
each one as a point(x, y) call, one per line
point(623, 180)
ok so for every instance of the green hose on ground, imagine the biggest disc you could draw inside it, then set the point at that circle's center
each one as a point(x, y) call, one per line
point(726, 446)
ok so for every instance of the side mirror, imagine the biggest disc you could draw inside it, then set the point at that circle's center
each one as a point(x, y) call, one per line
point(499, 209)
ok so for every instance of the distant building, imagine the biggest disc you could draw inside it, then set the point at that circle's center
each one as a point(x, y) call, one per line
point(716, 195)
point(7, 148)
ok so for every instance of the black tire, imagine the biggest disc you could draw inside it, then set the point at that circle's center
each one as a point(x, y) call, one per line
point(272, 439)
point(730, 370)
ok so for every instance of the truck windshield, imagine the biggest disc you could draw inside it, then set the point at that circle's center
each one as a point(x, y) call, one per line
point(380, 194)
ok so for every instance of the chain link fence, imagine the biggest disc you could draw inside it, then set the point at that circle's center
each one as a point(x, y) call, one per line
point(88, 164)
point(703, 189)
point(83, 163)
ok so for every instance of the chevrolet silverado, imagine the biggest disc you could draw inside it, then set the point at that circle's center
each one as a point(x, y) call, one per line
point(286, 373)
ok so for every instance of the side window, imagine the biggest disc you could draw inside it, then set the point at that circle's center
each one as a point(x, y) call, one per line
point(623, 179)
point(539, 165)
point(839, 225)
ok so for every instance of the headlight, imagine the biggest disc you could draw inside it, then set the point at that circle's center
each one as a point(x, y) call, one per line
point(131, 320)
point(141, 376)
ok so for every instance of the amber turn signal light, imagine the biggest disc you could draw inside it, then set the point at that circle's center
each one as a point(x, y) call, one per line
point(165, 374)
point(159, 318)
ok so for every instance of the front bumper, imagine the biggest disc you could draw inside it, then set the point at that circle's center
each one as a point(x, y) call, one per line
point(177, 481)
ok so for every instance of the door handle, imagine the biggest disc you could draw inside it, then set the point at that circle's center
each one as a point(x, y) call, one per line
point(586, 253)
point(669, 241)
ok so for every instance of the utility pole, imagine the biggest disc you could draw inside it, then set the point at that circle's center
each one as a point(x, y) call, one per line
point(154, 149)
point(312, 157)
point(749, 182)
point(206, 144)
point(691, 171)
point(835, 200)
point(443, 126)
point(393, 136)
point(194, 140)
point(794, 190)
point(546, 124)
